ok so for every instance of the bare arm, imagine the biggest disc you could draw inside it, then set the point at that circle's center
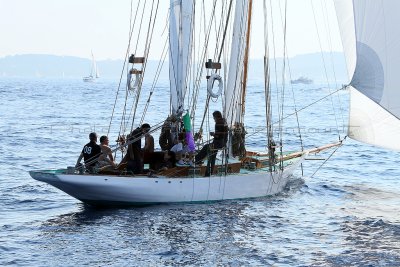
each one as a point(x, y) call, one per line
point(79, 160)
point(149, 144)
point(110, 156)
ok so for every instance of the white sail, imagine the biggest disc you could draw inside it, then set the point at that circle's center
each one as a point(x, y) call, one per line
point(233, 87)
point(180, 42)
point(345, 18)
point(374, 41)
point(94, 72)
point(96, 69)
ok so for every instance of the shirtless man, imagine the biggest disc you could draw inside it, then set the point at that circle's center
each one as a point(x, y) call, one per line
point(106, 158)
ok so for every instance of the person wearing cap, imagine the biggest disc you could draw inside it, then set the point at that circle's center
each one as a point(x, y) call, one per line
point(90, 153)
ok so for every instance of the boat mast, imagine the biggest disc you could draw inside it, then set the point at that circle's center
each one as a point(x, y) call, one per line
point(267, 88)
point(246, 60)
point(93, 70)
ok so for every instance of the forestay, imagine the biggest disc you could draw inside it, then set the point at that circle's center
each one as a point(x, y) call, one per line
point(371, 39)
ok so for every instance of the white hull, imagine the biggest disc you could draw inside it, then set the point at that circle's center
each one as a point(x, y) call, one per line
point(88, 79)
point(139, 190)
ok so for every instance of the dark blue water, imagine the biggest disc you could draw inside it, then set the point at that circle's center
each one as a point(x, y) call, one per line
point(347, 214)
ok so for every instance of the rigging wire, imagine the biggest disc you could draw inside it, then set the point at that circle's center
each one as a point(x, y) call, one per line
point(124, 120)
point(293, 94)
point(311, 104)
point(148, 43)
point(267, 92)
point(274, 56)
point(326, 73)
point(326, 160)
point(328, 29)
point(123, 67)
point(156, 77)
point(299, 110)
point(146, 51)
point(200, 69)
point(219, 57)
point(283, 84)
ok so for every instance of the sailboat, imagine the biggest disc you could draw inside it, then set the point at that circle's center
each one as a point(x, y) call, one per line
point(94, 72)
point(239, 173)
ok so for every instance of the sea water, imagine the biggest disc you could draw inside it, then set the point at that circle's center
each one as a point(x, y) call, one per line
point(342, 212)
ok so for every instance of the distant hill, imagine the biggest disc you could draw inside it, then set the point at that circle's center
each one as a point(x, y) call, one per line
point(37, 65)
point(55, 66)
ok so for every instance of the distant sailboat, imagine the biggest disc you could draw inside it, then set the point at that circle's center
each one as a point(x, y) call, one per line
point(94, 72)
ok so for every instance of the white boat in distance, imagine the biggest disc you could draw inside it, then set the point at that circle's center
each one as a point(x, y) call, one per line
point(94, 72)
point(239, 173)
point(302, 80)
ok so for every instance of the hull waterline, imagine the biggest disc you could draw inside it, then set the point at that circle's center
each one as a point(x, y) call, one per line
point(142, 190)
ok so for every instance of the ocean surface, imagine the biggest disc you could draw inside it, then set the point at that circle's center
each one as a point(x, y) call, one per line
point(343, 213)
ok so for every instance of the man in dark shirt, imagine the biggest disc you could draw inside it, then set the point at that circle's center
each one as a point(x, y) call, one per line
point(134, 155)
point(90, 153)
point(219, 142)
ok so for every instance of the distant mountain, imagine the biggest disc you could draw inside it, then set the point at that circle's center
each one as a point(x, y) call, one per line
point(308, 65)
point(55, 66)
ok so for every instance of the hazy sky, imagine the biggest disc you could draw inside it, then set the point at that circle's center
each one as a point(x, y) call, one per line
point(75, 27)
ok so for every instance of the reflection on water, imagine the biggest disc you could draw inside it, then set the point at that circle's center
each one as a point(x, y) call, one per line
point(368, 202)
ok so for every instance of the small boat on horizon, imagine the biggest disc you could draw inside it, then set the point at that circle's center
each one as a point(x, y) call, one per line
point(302, 80)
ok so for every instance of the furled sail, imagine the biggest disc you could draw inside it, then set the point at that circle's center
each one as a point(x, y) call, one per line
point(233, 89)
point(371, 40)
point(180, 42)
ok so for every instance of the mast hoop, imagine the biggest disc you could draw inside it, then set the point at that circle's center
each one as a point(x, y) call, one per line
point(210, 83)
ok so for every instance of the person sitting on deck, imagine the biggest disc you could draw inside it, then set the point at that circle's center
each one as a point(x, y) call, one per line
point(180, 149)
point(220, 137)
point(168, 132)
point(90, 153)
point(148, 139)
point(106, 158)
point(168, 161)
point(134, 155)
